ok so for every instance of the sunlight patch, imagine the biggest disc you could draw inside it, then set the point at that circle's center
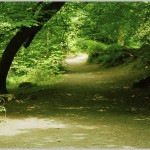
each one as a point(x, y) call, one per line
point(77, 59)
point(86, 127)
point(17, 126)
point(79, 136)
point(141, 119)
point(71, 108)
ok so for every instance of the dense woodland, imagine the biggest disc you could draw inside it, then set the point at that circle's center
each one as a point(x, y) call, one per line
point(102, 101)
point(36, 36)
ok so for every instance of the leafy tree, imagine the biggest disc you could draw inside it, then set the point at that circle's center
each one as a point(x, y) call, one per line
point(122, 32)
point(24, 36)
point(115, 22)
point(106, 30)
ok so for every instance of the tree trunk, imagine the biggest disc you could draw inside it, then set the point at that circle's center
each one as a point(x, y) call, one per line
point(121, 35)
point(24, 36)
point(10, 52)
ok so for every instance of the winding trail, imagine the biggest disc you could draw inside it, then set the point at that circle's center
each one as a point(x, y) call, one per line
point(91, 107)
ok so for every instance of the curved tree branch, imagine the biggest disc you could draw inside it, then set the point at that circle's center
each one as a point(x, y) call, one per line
point(24, 36)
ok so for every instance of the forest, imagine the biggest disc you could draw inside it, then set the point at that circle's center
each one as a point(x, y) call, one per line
point(38, 80)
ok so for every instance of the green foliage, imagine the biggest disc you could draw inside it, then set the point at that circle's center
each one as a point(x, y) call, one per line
point(111, 55)
point(104, 59)
point(93, 46)
point(95, 28)
point(17, 14)
point(114, 59)
point(114, 47)
point(95, 50)
point(14, 15)
point(104, 21)
point(36, 67)
point(145, 55)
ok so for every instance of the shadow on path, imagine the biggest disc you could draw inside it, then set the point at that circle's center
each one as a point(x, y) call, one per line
point(91, 107)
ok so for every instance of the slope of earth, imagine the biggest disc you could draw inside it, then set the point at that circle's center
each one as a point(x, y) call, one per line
point(92, 107)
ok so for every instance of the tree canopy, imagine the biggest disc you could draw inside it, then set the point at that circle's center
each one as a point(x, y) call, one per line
point(78, 26)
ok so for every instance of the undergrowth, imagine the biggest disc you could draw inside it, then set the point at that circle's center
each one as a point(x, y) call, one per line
point(34, 69)
point(114, 54)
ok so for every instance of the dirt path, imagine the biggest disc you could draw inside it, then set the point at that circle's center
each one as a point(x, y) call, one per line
point(91, 108)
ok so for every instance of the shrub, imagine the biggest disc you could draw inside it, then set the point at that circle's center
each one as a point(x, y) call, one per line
point(103, 59)
point(118, 56)
point(111, 55)
point(95, 50)
point(36, 69)
point(115, 47)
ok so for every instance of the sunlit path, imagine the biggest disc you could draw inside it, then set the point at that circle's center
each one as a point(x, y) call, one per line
point(82, 58)
point(12, 127)
point(91, 107)
point(75, 75)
